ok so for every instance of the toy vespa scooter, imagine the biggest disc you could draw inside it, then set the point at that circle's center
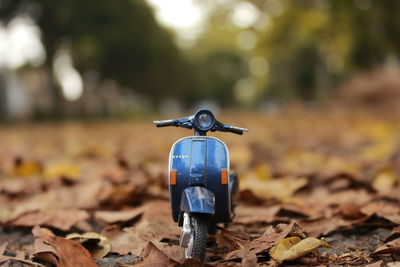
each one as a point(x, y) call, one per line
point(201, 186)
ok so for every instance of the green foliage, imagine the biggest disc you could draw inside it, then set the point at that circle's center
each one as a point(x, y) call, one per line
point(314, 45)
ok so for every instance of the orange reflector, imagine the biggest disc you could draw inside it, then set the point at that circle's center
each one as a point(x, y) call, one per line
point(172, 177)
point(224, 176)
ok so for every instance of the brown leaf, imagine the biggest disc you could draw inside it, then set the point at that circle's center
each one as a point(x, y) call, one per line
point(350, 211)
point(60, 251)
point(3, 248)
point(264, 242)
point(394, 234)
point(232, 240)
point(392, 247)
point(375, 264)
point(255, 214)
point(97, 244)
point(383, 209)
point(118, 216)
point(61, 219)
point(249, 258)
point(153, 256)
point(324, 226)
point(151, 210)
point(134, 239)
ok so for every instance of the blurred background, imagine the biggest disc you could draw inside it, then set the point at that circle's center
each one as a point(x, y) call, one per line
point(70, 58)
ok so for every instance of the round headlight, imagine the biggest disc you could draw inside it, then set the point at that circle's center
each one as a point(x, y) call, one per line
point(204, 120)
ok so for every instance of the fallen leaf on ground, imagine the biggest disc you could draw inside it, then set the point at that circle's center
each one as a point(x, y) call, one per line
point(281, 188)
point(392, 247)
point(293, 247)
point(153, 256)
point(394, 234)
point(393, 264)
point(62, 219)
point(375, 264)
point(385, 180)
point(323, 226)
point(62, 169)
point(19, 258)
point(255, 214)
point(134, 239)
point(97, 244)
point(383, 209)
point(24, 167)
point(60, 251)
point(118, 216)
point(152, 210)
point(264, 242)
point(232, 240)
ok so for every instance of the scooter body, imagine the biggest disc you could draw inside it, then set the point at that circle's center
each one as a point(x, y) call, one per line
point(201, 185)
point(199, 178)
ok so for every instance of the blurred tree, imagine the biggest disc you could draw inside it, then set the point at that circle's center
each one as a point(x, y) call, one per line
point(118, 40)
point(313, 45)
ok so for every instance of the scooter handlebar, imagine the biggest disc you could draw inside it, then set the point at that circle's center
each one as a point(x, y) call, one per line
point(234, 129)
point(165, 123)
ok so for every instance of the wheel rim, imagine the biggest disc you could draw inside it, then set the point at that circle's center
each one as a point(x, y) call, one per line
point(189, 248)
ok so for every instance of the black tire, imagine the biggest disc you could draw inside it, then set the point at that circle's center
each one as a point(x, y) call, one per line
point(199, 224)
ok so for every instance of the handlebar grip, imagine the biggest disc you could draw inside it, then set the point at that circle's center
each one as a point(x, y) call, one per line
point(236, 130)
point(164, 123)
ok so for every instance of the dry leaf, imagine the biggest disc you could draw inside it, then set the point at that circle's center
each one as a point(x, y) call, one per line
point(99, 249)
point(232, 240)
point(383, 209)
point(256, 214)
point(281, 188)
point(25, 168)
point(375, 264)
point(133, 239)
point(62, 219)
point(392, 247)
point(264, 242)
point(118, 216)
point(293, 247)
point(62, 169)
point(153, 256)
point(324, 226)
point(60, 251)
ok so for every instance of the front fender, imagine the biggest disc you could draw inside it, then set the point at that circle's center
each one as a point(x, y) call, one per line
point(198, 199)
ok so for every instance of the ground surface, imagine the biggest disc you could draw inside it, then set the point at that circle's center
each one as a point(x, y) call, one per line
point(329, 175)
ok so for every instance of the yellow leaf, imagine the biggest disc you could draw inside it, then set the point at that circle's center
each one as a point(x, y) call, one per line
point(281, 188)
point(293, 247)
point(62, 169)
point(102, 247)
point(263, 172)
point(384, 180)
point(25, 168)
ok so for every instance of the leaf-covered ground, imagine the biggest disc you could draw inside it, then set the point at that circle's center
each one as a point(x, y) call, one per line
point(318, 187)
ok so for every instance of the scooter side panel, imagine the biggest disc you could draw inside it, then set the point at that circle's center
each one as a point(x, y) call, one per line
point(218, 160)
point(179, 161)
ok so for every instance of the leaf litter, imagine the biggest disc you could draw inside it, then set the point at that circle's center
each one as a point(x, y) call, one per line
point(308, 179)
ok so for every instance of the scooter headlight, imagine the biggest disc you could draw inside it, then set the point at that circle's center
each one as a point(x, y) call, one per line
point(204, 120)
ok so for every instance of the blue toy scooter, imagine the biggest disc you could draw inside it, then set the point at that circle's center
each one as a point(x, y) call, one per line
point(201, 186)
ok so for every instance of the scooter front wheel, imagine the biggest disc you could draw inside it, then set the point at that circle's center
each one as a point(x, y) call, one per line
point(197, 243)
